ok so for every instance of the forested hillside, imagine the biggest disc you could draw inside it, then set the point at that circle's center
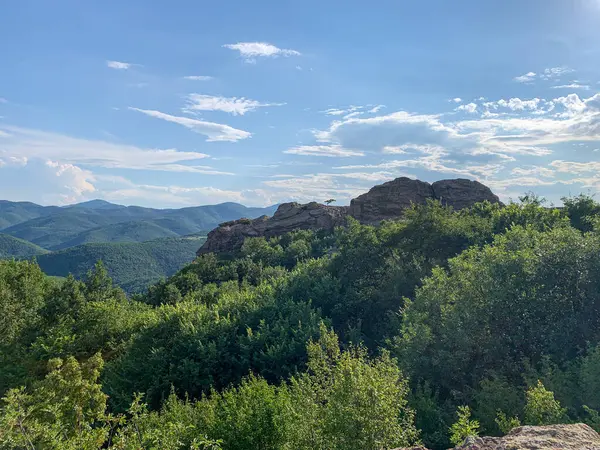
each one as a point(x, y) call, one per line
point(11, 247)
point(428, 329)
point(133, 266)
point(55, 228)
point(139, 246)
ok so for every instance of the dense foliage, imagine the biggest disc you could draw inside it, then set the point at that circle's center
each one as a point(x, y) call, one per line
point(132, 265)
point(11, 247)
point(432, 328)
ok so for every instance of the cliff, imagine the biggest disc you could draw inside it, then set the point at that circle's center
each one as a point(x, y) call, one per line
point(386, 201)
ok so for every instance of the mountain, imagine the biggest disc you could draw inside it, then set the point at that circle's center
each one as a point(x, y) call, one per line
point(12, 247)
point(13, 213)
point(132, 265)
point(139, 231)
point(56, 228)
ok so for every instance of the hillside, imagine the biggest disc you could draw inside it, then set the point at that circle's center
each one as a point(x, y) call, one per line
point(13, 213)
point(55, 228)
point(132, 266)
point(139, 231)
point(11, 247)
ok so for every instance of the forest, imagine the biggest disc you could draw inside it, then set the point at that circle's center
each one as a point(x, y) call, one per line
point(424, 330)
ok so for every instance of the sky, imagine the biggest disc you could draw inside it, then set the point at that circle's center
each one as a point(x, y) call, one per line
point(186, 102)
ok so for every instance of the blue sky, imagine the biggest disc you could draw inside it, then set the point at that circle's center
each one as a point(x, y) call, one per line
point(180, 103)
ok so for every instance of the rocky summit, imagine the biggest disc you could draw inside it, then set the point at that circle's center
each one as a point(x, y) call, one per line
point(386, 201)
point(552, 437)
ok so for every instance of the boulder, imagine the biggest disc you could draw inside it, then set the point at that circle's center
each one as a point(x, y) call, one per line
point(565, 437)
point(462, 193)
point(552, 437)
point(389, 200)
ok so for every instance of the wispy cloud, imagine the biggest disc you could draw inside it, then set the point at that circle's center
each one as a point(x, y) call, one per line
point(231, 105)
point(551, 73)
point(331, 151)
point(198, 78)
point(348, 110)
point(555, 72)
point(213, 131)
point(469, 107)
point(252, 50)
point(22, 145)
point(526, 78)
point(585, 87)
point(376, 109)
point(119, 65)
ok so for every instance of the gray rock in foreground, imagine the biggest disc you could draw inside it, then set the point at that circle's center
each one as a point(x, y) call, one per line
point(551, 437)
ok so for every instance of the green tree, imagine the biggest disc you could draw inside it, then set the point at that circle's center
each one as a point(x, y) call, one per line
point(464, 427)
point(541, 407)
point(348, 402)
point(63, 411)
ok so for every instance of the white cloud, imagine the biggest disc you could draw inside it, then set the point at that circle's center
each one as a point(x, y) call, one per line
point(321, 186)
point(345, 111)
point(527, 78)
point(251, 50)
point(551, 73)
point(457, 100)
point(516, 104)
point(24, 144)
point(585, 87)
point(469, 107)
point(376, 109)
point(213, 131)
point(353, 114)
point(119, 65)
point(555, 72)
point(231, 105)
point(74, 178)
point(331, 151)
point(198, 78)
point(395, 149)
point(575, 167)
point(535, 170)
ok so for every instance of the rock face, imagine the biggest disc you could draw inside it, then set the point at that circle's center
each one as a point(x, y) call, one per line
point(229, 236)
point(382, 202)
point(461, 193)
point(552, 437)
point(389, 200)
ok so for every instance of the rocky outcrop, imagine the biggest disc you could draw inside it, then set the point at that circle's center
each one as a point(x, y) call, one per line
point(389, 200)
point(462, 193)
point(230, 236)
point(383, 202)
point(552, 437)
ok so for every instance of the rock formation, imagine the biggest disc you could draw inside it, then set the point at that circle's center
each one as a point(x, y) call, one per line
point(552, 437)
point(461, 193)
point(389, 200)
point(383, 202)
point(230, 236)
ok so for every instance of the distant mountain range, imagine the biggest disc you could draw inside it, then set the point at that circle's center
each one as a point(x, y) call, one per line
point(138, 245)
point(56, 228)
